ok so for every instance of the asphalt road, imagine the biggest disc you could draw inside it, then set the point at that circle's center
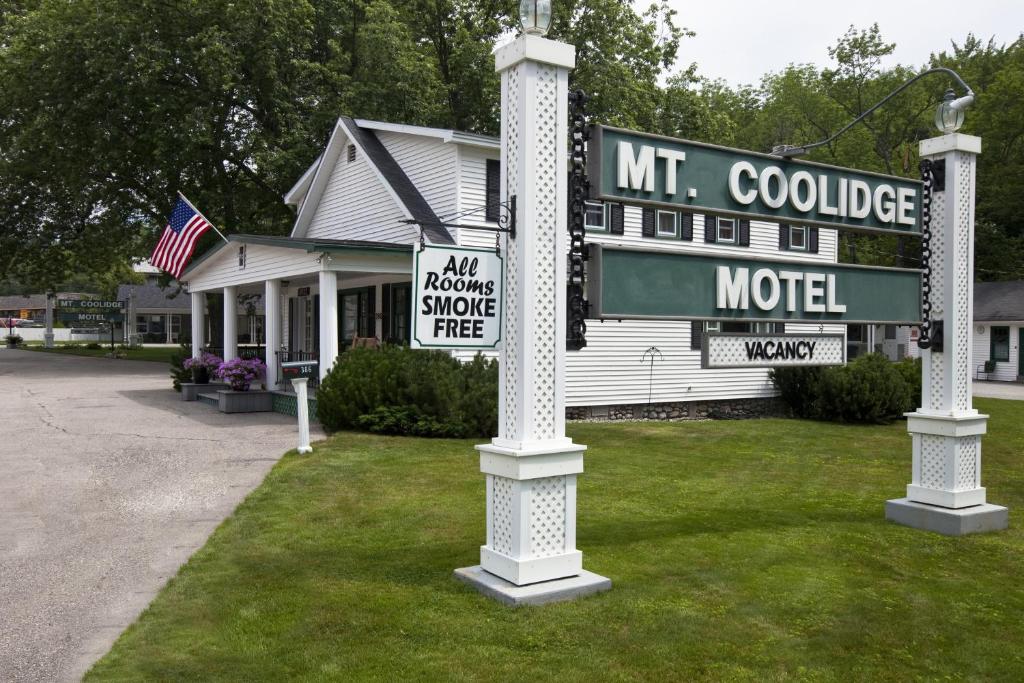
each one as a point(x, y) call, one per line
point(108, 483)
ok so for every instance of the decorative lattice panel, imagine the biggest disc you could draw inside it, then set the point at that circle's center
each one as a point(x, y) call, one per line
point(933, 461)
point(961, 332)
point(503, 492)
point(940, 249)
point(547, 516)
point(544, 167)
point(738, 351)
point(967, 463)
point(510, 427)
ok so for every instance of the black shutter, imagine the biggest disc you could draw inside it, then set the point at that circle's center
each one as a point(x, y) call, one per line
point(647, 226)
point(493, 211)
point(616, 219)
point(385, 309)
point(315, 346)
point(744, 232)
point(696, 334)
point(783, 236)
point(812, 240)
point(370, 314)
point(710, 232)
point(686, 223)
point(293, 329)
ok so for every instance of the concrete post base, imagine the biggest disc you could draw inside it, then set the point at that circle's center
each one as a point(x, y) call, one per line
point(558, 590)
point(48, 340)
point(959, 522)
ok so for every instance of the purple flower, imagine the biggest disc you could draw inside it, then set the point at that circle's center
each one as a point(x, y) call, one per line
point(240, 372)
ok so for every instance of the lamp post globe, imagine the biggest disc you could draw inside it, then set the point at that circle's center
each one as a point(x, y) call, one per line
point(948, 118)
point(535, 16)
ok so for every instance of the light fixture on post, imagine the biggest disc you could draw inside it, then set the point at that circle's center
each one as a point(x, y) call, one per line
point(948, 118)
point(535, 16)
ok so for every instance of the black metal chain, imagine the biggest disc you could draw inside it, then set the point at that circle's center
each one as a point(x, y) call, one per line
point(579, 190)
point(924, 340)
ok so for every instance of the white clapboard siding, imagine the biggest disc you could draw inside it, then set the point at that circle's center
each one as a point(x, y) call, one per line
point(430, 164)
point(357, 206)
point(473, 195)
point(1005, 371)
point(261, 263)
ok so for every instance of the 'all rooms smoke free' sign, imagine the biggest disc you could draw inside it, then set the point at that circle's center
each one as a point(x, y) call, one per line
point(457, 298)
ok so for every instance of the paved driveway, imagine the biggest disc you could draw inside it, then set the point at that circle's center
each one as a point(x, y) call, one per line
point(108, 483)
point(1010, 390)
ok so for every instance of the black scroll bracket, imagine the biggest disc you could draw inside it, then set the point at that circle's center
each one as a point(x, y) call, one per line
point(506, 222)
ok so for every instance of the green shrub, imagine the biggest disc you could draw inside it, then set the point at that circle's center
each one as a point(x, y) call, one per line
point(94, 346)
point(178, 372)
point(869, 389)
point(397, 390)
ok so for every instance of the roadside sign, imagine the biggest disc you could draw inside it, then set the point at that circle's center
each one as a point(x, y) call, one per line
point(89, 305)
point(457, 298)
point(635, 167)
point(83, 317)
point(628, 283)
point(727, 350)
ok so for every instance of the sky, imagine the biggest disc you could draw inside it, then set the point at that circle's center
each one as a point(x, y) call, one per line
point(740, 41)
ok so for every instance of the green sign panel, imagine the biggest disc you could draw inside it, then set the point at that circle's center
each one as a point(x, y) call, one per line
point(89, 312)
point(643, 168)
point(629, 283)
point(90, 318)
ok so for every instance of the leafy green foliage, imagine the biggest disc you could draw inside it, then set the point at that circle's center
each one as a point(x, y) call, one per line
point(397, 390)
point(869, 389)
point(179, 373)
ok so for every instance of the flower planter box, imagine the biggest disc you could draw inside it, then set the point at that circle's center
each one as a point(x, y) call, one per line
point(190, 390)
point(245, 401)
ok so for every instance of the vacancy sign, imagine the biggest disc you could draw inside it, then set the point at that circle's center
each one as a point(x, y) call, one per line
point(457, 298)
point(724, 350)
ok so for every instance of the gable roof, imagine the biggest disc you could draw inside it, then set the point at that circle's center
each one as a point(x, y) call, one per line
point(151, 295)
point(409, 199)
point(443, 134)
point(999, 300)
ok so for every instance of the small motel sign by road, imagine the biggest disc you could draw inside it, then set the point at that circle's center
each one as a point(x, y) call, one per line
point(678, 174)
point(457, 298)
point(89, 312)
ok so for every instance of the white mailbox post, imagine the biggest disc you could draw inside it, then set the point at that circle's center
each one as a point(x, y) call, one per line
point(945, 494)
point(530, 553)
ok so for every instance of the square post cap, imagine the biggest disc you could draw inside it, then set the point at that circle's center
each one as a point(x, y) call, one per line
point(954, 142)
point(535, 49)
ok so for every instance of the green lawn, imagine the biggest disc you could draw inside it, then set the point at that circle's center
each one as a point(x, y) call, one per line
point(159, 354)
point(752, 550)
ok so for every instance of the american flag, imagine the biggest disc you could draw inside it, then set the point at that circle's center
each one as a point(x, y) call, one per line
point(176, 245)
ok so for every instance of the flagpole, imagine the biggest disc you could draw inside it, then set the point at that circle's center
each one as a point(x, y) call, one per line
point(185, 199)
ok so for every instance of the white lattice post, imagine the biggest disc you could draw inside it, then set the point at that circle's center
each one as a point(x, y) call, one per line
point(531, 466)
point(945, 493)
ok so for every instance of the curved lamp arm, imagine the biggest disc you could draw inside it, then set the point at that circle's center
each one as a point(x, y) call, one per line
point(957, 104)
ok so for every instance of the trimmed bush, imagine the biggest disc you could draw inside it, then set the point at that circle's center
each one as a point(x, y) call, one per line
point(869, 389)
point(397, 390)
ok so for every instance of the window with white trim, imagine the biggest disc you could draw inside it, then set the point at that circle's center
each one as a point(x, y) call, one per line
point(725, 230)
point(595, 217)
point(798, 237)
point(668, 224)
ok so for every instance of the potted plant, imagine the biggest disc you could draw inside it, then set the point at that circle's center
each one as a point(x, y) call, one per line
point(13, 340)
point(241, 372)
point(203, 367)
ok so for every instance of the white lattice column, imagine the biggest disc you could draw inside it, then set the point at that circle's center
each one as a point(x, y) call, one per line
point(531, 466)
point(945, 493)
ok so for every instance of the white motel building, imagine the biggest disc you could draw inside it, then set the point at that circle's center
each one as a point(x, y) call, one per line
point(344, 272)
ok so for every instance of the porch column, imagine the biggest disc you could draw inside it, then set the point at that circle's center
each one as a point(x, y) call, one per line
point(198, 323)
point(48, 335)
point(945, 493)
point(167, 328)
point(272, 329)
point(230, 323)
point(328, 320)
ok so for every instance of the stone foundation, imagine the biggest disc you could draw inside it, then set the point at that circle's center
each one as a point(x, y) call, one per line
point(732, 409)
